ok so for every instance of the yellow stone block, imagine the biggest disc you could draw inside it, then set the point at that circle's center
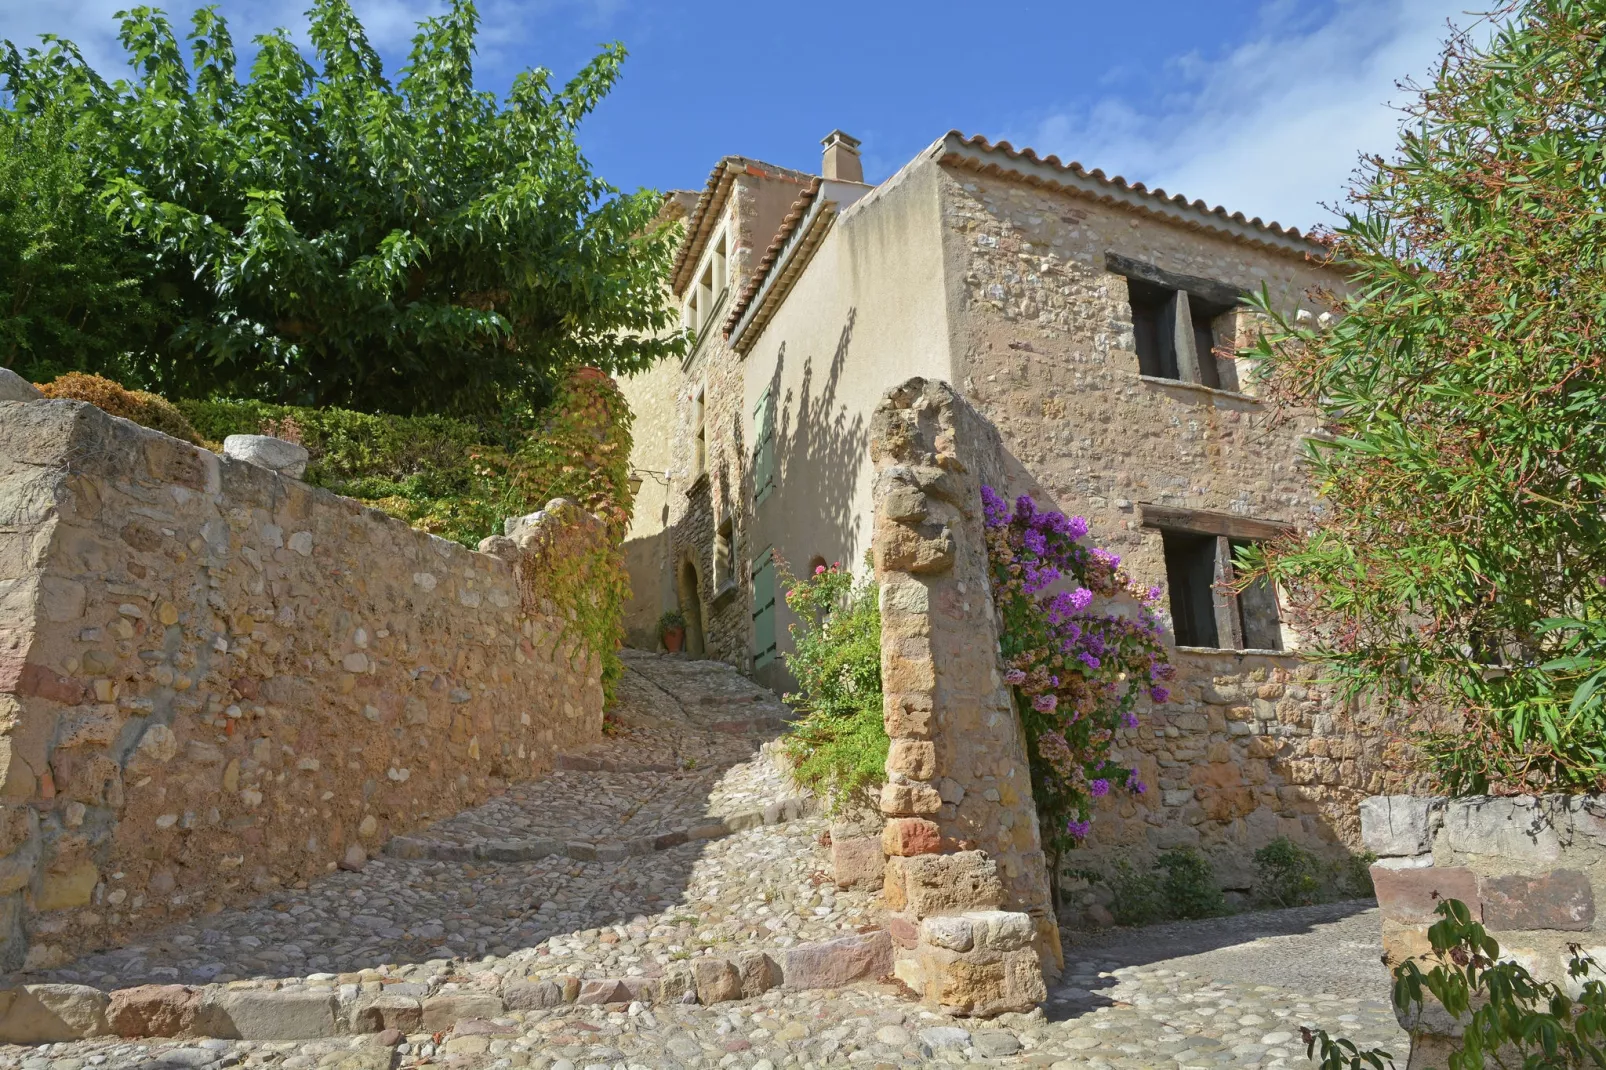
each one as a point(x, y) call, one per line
point(68, 889)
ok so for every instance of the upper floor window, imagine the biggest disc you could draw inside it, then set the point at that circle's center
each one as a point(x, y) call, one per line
point(1177, 322)
point(704, 298)
point(1200, 549)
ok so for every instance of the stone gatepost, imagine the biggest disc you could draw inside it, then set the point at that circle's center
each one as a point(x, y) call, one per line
point(966, 877)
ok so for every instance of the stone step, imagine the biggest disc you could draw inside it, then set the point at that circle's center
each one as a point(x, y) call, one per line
point(528, 850)
point(329, 1006)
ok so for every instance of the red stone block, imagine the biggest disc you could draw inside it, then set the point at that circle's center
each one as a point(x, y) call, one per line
point(1561, 899)
point(1411, 895)
point(908, 836)
point(904, 932)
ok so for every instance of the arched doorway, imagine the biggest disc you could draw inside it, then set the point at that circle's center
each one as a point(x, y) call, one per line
point(691, 607)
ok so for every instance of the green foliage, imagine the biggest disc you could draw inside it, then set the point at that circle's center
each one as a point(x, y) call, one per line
point(431, 471)
point(670, 620)
point(1510, 1018)
point(580, 450)
point(1136, 895)
point(1464, 461)
point(1286, 875)
point(322, 236)
point(71, 291)
point(839, 746)
point(1352, 875)
point(1180, 885)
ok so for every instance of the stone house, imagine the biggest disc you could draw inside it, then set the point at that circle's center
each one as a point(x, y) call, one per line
point(1091, 321)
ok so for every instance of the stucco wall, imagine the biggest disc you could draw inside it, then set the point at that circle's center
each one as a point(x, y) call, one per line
point(1248, 749)
point(869, 312)
point(652, 396)
point(215, 680)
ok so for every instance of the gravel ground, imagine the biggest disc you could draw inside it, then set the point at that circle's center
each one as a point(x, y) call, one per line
point(1224, 992)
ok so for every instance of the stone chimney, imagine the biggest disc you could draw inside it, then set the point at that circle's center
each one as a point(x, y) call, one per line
point(842, 157)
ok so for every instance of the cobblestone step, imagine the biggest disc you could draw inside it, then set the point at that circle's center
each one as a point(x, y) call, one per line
point(528, 850)
point(325, 1005)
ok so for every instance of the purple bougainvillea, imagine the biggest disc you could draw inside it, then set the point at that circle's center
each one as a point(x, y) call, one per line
point(1078, 671)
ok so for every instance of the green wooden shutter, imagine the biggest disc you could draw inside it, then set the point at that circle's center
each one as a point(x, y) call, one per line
point(763, 449)
point(764, 610)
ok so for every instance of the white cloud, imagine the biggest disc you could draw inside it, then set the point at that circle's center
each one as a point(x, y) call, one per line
point(1274, 128)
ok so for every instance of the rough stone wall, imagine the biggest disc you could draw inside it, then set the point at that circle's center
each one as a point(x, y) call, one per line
point(215, 680)
point(1248, 749)
point(1530, 868)
point(962, 830)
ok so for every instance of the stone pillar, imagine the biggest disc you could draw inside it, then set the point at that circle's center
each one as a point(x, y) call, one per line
point(966, 875)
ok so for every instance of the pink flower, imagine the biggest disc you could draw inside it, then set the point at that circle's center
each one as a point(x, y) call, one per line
point(1045, 703)
point(819, 570)
point(1014, 677)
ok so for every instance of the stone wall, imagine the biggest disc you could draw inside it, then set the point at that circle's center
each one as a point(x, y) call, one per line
point(1248, 748)
point(215, 680)
point(1531, 868)
point(966, 875)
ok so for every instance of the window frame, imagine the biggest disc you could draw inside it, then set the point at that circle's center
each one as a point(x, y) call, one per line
point(1228, 609)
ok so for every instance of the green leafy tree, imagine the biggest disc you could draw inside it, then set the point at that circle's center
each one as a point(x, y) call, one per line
point(328, 237)
point(1462, 458)
point(73, 294)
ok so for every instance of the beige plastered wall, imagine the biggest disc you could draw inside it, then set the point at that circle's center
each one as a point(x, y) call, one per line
point(868, 312)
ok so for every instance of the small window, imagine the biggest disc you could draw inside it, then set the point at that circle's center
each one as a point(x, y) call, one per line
point(763, 447)
point(1174, 332)
point(700, 442)
point(1204, 611)
point(1154, 328)
point(764, 610)
point(1190, 573)
point(719, 268)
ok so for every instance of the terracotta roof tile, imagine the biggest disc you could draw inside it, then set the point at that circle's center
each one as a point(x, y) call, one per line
point(755, 281)
point(968, 151)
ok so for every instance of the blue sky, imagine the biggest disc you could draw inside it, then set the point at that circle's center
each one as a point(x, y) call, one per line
point(1261, 106)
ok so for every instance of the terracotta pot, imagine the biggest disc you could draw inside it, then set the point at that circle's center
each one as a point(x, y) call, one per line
point(673, 637)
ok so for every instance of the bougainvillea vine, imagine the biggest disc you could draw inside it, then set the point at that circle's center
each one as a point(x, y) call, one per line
point(1082, 648)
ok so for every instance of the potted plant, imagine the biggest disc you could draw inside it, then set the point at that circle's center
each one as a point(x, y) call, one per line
point(672, 630)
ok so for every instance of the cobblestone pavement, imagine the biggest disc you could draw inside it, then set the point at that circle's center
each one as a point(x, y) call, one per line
point(1225, 992)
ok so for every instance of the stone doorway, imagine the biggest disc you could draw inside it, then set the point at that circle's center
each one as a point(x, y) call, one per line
point(691, 607)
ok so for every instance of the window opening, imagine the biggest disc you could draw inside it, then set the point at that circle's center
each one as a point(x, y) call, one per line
point(723, 572)
point(700, 442)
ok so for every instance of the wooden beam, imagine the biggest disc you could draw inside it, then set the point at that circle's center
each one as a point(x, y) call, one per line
point(1202, 522)
point(1208, 290)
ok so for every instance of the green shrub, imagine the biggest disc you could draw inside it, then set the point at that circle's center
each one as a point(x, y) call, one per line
point(839, 747)
point(1286, 875)
point(1136, 895)
point(1352, 875)
point(434, 472)
point(1180, 885)
point(1189, 885)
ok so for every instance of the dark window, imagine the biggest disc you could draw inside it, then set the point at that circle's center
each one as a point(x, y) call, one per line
point(1154, 328)
point(1257, 612)
point(1190, 572)
point(1204, 610)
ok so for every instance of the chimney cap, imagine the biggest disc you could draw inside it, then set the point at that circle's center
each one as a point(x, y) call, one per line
point(838, 137)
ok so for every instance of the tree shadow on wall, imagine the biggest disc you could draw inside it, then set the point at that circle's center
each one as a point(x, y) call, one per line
point(693, 719)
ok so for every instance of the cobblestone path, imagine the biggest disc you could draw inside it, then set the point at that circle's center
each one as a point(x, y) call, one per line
point(678, 837)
